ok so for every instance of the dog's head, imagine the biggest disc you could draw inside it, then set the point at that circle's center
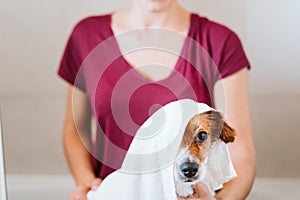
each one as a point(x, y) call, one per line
point(198, 137)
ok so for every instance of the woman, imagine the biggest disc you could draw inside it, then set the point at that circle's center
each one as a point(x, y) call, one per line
point(221, 44)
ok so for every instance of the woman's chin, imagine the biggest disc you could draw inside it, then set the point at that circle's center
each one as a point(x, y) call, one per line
point(158, 6)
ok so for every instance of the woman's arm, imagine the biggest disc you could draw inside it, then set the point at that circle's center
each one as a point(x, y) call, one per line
point(78, 157)
point(242, 149)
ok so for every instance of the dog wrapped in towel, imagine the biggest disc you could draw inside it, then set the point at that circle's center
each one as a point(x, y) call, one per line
point(180, 144)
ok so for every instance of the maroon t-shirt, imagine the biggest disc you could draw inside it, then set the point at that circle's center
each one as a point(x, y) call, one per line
point(122, 99)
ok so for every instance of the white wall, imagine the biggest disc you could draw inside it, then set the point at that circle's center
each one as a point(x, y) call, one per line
point(32, 37)
point(272, 35)
point(272, 38)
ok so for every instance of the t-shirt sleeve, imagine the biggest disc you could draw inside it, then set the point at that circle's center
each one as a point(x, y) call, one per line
point(233, 57)
point(69, 67)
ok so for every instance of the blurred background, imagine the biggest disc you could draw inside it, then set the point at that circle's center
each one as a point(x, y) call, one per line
point(32, 38)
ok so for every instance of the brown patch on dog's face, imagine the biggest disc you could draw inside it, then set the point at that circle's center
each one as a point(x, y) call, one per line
point(213, 125)
point(201, 131)
point(196, 149)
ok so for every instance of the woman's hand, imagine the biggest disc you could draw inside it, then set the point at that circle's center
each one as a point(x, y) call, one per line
point(200, 193)
point(81, 191)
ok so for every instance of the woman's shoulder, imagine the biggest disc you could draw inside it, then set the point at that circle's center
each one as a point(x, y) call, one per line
point(212, 29)
point(94, 23)
point(223, 45)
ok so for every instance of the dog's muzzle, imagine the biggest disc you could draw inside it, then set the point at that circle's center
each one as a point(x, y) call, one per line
point(188, 169)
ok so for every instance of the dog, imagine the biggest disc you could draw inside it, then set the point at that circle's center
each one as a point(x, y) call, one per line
point(200, 134)
point(154, 168)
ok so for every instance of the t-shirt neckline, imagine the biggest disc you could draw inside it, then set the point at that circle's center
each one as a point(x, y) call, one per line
point(139, 75)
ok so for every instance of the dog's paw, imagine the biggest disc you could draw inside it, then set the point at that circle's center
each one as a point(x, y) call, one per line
point(184, 189)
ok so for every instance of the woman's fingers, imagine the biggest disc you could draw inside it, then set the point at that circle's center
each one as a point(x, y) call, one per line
point(200, 188)
point(189, 198)
point(79, 193)
point(95, 184)
point(201, 191)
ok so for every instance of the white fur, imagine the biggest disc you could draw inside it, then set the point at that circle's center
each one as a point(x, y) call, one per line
point(184, 189)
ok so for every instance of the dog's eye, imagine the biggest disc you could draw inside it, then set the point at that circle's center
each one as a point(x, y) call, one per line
point(201, 137)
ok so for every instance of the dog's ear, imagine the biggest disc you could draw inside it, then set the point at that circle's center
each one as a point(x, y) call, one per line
point(220, 127)
point(227, 133)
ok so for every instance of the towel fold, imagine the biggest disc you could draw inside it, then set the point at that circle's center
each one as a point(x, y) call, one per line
point(147, 170)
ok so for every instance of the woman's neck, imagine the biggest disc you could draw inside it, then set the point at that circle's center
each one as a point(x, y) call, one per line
point(172, 16)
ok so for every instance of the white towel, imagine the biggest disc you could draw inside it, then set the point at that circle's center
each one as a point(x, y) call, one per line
point(147, 170)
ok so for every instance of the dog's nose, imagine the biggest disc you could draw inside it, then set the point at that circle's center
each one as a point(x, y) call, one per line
point(189, 169)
